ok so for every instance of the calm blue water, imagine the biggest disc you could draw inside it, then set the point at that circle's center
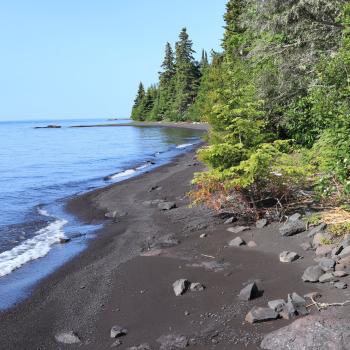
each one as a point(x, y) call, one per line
point(40, 168)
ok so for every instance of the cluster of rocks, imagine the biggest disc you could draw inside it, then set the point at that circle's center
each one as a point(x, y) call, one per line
point(332, 258)
point(238, 242)
point(182, 285)
point(294, 306)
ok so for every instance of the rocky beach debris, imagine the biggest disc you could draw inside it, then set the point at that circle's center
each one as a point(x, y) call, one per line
point(261, 314)
point(118, 331)
point(237, 242)
point(292, 227)
point(172, 342)
point(196, 287)
point(288, 257)
point(312, 274)
point(249, 292)
point(67, 338)
point(180, 286)
point(312, 332)
point(166, 206)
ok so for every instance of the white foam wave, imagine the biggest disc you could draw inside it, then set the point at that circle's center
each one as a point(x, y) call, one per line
point(43, 212)
point(33, 248)
point(185, 145)
point(143, 166)
point(123, 174)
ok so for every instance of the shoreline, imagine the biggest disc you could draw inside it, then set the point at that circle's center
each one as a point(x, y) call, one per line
point(125, 275)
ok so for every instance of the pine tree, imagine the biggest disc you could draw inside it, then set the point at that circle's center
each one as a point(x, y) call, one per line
point(204, 63)
point(136, 113)
point(187, 76)
point(166, 85)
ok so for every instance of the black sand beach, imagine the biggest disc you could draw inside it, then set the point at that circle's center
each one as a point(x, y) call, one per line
point(125, 276)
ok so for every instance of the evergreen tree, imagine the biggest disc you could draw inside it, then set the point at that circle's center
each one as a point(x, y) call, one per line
point(187, 76)
point(204, 63)
point(166, 85)
point(136, 113)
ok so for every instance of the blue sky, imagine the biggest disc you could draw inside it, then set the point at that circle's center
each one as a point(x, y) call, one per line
point(84, 58)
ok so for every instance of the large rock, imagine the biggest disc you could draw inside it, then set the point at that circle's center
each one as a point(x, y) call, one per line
point(297, 304)
point(180, 286)
point(291, 228)
point(277, 305)
point(67, 338)
point(316, 229)
point(324, 250)
point(236, 242)
point(345, 252)
point(166, 205)
point(172, 342)
point(261, 314)
point(249, 292)
point(312, 274)
point(294, 217)
point(288, 257)
point(238, 229)
point(326, 277)
point(326, 264)
point(310, 333)
point(118, 331)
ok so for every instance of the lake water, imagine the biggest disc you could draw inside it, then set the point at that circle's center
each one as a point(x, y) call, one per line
point(41, 168)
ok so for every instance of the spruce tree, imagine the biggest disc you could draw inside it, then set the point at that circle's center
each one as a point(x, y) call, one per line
point(187, 76)
point(136, 113)
point(166, 85)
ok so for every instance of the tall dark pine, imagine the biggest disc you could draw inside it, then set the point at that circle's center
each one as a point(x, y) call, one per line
point(187, 76)
point(166, 85)
point(136, 113)
point(204, 63)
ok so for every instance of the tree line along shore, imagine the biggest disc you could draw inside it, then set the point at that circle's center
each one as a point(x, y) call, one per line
point(277, 100)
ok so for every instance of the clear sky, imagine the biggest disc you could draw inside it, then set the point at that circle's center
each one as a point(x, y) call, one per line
point(85, 58)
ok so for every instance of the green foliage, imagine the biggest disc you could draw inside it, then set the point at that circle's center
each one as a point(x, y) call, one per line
point(339, 229)
point(277, 99)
